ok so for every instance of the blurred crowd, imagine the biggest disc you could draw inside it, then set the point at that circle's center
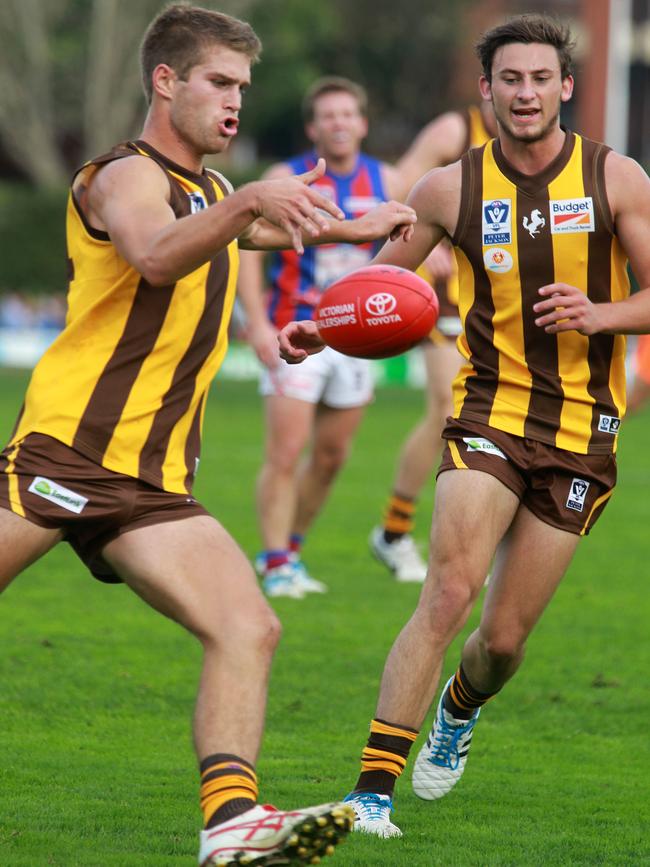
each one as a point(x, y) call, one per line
point(33, 311)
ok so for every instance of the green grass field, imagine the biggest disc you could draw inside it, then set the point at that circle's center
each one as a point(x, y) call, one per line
point(96, 691)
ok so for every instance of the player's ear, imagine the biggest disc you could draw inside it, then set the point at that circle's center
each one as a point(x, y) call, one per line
point(162, 80)
point(485, 88)
point(310, 132)
point(567, 88)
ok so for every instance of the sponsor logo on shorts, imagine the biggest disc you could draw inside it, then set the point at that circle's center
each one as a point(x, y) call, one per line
point(497, 226)
point(572, 215)
point(497, 259)
point(609, 424)
point(380, 306)
point(577, 494)
point(480, 444)
point(56, 493)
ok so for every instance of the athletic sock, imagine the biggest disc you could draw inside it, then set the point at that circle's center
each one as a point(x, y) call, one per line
point(399, 517)
point(296, 541)
point(461, 699)
point(384, 757)
point(228, 788)
point(275, 558)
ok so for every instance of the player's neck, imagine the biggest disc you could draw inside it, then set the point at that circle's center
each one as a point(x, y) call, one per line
point(166, 141)
point(340, 165)
point(530, 158)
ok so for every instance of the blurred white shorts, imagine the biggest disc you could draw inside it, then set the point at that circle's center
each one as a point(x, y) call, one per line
point(327, 377)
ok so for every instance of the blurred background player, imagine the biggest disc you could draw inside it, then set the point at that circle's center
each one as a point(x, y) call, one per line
point(442, 141)
point(318, 404)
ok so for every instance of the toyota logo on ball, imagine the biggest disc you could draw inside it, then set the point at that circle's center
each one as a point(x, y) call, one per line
point(381, 304)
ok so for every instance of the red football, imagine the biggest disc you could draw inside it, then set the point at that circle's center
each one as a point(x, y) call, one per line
point(376, 312)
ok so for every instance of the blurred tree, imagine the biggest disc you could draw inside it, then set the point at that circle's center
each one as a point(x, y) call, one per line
point(68, 79)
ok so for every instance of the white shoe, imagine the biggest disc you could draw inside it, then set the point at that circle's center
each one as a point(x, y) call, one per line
point(264, 835)
point(401, 556)
point(282, 581)
point(372, 814)
point(304, 579)
point(441, 761)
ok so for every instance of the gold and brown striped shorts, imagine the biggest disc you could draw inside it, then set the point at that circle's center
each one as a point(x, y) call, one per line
point(564, 489)
point(55, 487)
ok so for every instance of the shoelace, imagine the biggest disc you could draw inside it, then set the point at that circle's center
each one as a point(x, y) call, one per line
point(445, 744)
point(372, 806)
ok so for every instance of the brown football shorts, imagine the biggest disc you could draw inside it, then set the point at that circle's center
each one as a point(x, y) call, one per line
point(55, 487)
point(564, 489)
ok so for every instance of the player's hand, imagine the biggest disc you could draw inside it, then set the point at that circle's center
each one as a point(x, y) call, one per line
point(263, 337)
point(291, 204)
point(439, 262)
point(394, 219)
point(298, 340)
point(566, 308)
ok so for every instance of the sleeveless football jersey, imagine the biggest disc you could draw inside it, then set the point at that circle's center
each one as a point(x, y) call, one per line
point(125, 383)
point(298, 281)
point(516, 233)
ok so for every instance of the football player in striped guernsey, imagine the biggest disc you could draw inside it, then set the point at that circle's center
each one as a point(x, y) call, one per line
point(106, 447)
point(543, 222)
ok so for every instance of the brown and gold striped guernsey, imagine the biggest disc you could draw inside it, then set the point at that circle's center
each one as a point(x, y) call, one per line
point(477, 133)
point(516, 233)
point(125, 383)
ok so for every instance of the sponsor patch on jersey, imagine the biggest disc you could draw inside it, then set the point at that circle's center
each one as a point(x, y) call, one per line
point(197, 202)
point(533, 222)
point(577, 494)
point(572, 215)
point(56, 493)
point(497, 259)
point(360, 204)
point(480, 444)
point(497, 221)
point(609, 424)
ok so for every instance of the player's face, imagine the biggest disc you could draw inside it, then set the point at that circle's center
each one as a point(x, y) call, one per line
point(338, 126)
point(204, 109)
point(527, 90)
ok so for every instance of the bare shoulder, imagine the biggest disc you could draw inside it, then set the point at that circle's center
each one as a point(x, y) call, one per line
point(127, 174)
point(625, 181)
point(436, 196)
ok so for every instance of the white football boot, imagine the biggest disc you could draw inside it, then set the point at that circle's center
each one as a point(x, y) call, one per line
point(264, 835)
point(401, 556)
point(372, 814)
point(282, 581)
point(303, 579)
point(441, 761)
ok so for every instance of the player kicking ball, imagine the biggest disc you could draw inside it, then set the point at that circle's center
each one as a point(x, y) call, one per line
point(542, 221)
point(107, 444)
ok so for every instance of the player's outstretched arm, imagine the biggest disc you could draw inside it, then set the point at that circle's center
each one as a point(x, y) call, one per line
point(439, 143)
point(129, 199)
point(567, 308)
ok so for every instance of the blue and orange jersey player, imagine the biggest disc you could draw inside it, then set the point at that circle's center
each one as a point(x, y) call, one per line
point(317, 405)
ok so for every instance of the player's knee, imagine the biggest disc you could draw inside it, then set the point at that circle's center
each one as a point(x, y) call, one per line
point(450, 599)
point(328, 460)
point(502, 647)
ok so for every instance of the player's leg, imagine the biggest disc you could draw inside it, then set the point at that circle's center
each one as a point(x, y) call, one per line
point(193, 572)
point(530, 563)
point(21, 544)
point(392, 542)
point(472, 512)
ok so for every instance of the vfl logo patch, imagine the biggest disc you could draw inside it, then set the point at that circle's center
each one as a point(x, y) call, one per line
point(609, 424)
point(197, 202)
point(534, 223)
point(480, 444)
point(56, 493)
point(572, 215)
point(497, 259)
point(497, 227)
point(577, 494)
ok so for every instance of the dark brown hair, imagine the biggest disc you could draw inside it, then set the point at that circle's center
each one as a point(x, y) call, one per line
point(179, 35)
point(332, 84)
point(527, 29)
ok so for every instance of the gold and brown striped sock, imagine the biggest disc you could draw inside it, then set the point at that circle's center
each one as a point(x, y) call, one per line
point(461, 699)
point(228, 788)
point(384, 757)
point(399, 517)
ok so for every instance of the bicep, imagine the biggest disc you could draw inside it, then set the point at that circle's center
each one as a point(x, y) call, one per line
point(631, 211)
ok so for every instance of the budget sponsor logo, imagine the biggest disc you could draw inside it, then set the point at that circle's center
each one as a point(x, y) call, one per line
point(572, 215)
